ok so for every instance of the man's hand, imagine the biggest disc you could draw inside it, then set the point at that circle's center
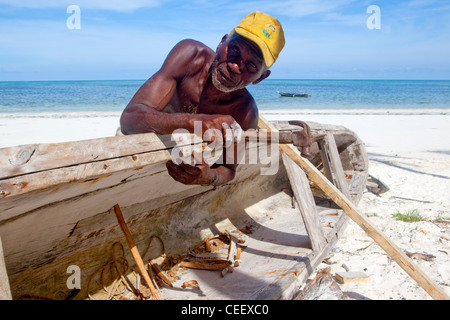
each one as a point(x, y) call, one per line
point(221, 131)
point(225, 124)
point(201, 174)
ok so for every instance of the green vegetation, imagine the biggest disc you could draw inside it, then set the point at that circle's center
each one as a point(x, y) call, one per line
point(408, 216)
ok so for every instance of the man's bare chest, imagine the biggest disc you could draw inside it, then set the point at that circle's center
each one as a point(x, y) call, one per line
point(193, 99)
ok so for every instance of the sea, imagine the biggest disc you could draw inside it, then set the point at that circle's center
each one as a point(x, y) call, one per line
point(95, 98)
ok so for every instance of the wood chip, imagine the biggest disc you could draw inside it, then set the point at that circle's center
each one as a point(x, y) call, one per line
point(238, 257)
point(232, 251)
point(202, 242)
point(228, 269)
point(346, 277)
point(210, 255)
point(204, 266)
point(190, 283)
point(420, 256)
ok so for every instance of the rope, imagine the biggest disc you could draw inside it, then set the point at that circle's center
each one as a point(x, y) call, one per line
point(120, 265)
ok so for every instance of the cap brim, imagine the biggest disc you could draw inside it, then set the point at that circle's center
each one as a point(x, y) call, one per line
point(268, 58)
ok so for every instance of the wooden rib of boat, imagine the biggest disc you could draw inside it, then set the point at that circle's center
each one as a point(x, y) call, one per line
point(290, 94)
point(56, 212)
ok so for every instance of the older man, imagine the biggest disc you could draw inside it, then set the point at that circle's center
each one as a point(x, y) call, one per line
point(197, 84)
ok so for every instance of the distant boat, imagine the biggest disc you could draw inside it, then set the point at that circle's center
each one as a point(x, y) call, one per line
point(288, 94)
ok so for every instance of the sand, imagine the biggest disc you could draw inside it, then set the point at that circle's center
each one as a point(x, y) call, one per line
point(408, 151)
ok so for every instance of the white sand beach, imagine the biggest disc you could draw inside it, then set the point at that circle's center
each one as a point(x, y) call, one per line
point(409, 152)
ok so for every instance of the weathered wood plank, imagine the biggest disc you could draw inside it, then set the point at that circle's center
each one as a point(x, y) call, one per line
point(26, 193)
point(25, 159)
point(336, 165)
point(314, 126)
point(305, 200)
point(32, 234)
point(325, 160)
point(5, 291)
point(176, 222)
point(303, 195)
point(58, 222)
point(31, 191)
point(288, 286)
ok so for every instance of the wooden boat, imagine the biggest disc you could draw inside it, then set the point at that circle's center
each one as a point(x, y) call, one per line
point(57, 217)
point(290, 94)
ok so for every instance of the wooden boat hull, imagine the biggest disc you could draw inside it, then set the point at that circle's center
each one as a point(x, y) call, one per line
point(56, 211)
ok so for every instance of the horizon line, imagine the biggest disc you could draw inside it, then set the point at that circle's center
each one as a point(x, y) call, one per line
point(271, 79)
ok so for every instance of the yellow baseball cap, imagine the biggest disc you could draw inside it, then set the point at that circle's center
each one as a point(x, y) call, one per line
point(265, 31)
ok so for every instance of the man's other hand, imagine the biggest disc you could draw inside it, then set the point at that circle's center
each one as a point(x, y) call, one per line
point(201, 174)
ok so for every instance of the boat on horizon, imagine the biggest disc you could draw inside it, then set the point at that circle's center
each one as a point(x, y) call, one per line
point(290, 94)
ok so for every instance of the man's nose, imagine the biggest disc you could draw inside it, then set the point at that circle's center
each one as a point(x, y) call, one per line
point(233, 67)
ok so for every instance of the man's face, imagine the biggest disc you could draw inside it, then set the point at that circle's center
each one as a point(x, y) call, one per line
point(238, 63)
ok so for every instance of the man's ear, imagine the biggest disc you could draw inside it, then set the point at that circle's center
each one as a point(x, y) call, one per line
point(263, 76)
point(224, 38)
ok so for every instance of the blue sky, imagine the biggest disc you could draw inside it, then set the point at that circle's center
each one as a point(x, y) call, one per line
point(325, 39)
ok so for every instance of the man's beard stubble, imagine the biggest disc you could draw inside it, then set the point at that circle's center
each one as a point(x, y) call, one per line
point(215, 79)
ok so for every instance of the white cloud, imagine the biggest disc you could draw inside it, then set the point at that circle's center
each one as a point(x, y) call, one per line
point(295, 8)
point(112, 5)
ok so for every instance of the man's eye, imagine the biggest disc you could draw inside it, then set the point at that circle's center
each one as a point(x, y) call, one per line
point(234, 50)
point(252, 67)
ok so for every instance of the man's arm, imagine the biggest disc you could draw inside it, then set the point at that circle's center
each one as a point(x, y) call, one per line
point(144, 112)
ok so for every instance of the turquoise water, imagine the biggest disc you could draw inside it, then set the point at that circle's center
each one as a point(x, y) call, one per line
point(354, 94)
point(48, 98)
point(30, 97)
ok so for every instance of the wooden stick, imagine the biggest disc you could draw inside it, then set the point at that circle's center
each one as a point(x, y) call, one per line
point(160, 274)
point(195, 265)
point(134, 251)
point(349, 208)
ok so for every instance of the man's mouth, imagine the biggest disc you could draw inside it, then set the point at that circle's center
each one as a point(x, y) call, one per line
point(228, 80)
point(223, 80)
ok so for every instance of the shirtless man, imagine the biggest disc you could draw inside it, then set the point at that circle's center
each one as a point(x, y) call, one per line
point(197, 84)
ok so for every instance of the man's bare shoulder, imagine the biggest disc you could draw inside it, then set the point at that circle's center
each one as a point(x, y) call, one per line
point(192, 45)
point(189, 55)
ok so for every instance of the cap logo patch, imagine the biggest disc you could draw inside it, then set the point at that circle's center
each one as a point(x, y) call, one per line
point(268, 29)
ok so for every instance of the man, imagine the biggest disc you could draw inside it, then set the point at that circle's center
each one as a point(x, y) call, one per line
point(197, 84)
